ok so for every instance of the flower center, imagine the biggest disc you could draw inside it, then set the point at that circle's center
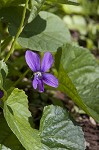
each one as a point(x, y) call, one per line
point(38, 75)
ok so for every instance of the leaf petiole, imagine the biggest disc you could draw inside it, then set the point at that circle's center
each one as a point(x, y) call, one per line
point(18, 32)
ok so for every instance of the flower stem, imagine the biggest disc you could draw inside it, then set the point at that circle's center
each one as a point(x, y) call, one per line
point(21, 77)
point(18, 32)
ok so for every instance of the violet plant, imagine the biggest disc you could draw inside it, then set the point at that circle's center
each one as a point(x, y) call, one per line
point(40, 77)
point(76, 73)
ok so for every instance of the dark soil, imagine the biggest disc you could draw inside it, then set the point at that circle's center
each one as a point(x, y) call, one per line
point(91, 133)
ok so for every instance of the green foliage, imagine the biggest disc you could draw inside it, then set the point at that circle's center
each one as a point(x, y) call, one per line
point(23, 23)
point(3, 71)
point(7, 139)
point(90, 95)
point(83, 70)
point(35, 8)
point(73, 2)
point(7, 3)
point(76, 22)
point(50, 136)
point(46, 32)
point(60, 132)
point(86, 7)
point(13, 16)
point(19, 120)
point(3, 74)
point(90, 7)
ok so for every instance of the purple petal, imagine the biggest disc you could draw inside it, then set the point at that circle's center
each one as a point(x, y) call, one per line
point(40, 86)
point(50, 80)
point(35, 83)
point(1, 93)
point(33, 60)
point(47, 62)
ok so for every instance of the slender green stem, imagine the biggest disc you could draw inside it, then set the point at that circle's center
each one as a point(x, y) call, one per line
point(21, 77)
point(18, 32)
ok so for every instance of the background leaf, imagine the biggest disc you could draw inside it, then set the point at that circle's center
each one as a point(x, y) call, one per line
point(7, 3)
point(73, 2)
point(7, 139)
point(58, 131)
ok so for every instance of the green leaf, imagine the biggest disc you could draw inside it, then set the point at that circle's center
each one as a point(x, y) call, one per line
point(58, 131)
point(67, 86)
point(3, 71)
point(54, 125)
point(3, 74)
point(35, 8)
point(7, 139)
point(46, 32)
point(12, 15)
point(19, 120)
point(91, 95)
point(73, 2)
point(83, 70)
point(7, 3)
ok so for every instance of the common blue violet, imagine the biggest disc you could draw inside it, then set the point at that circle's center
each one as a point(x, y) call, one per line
point(40, 75)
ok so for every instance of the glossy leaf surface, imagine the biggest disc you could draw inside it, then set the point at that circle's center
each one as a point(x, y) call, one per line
point(58, 131)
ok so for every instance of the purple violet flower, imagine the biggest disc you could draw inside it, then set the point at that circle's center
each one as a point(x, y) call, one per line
point(1, 93)
point(40, 75)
